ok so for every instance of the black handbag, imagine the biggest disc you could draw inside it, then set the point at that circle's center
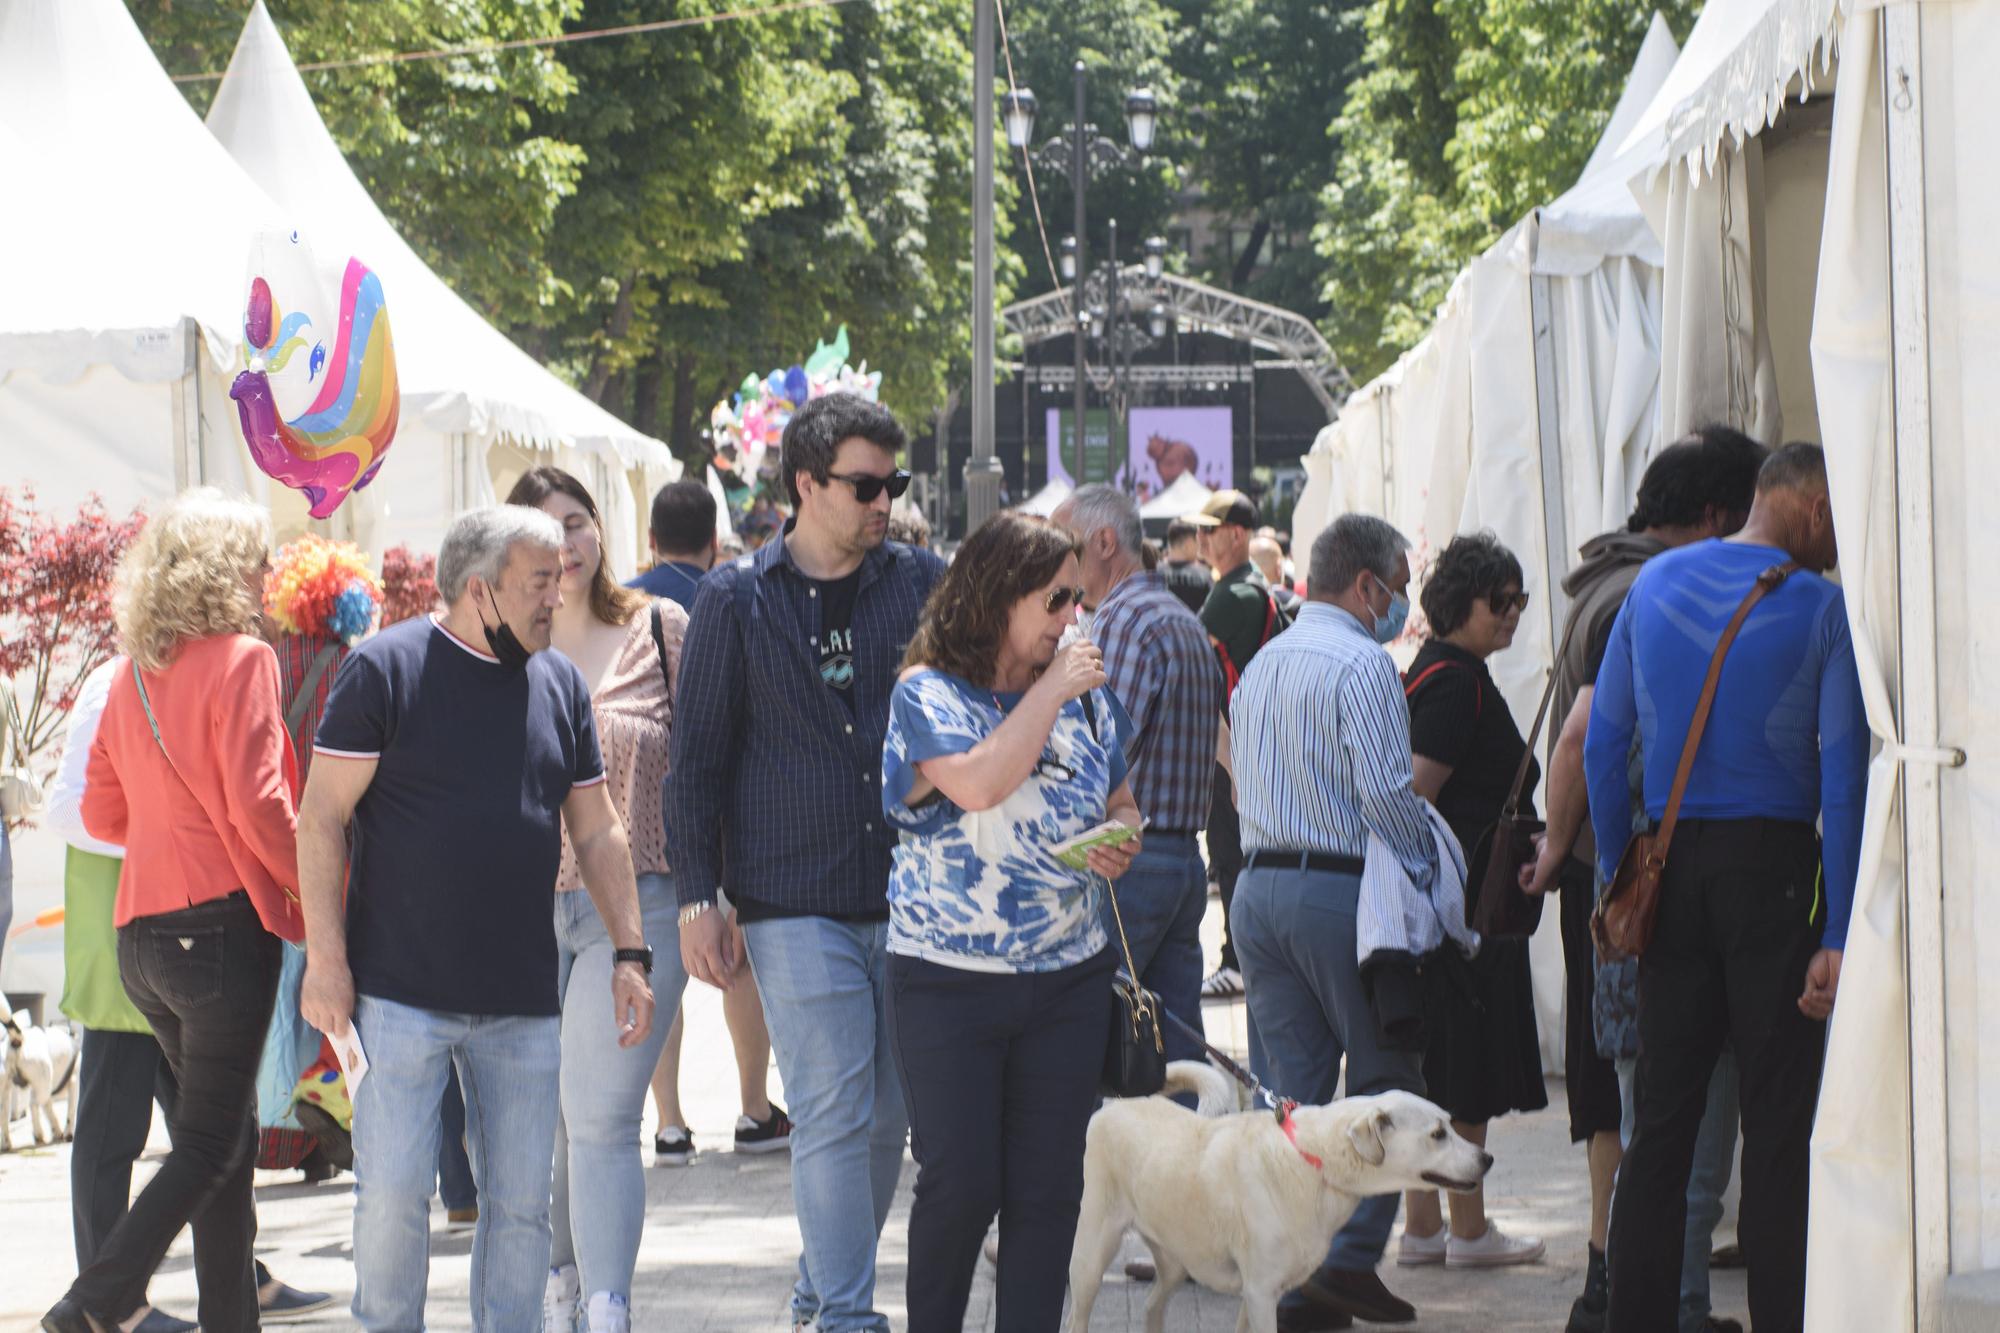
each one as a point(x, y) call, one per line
point(1135, 1057)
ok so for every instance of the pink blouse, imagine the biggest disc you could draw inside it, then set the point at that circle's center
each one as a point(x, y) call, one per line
point(634, 709)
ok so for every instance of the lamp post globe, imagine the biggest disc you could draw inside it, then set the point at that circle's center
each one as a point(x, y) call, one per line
point(1017, 109)
point(1156, 319)
point(1067, 261)
point(1142, 115)
point(1156, 256)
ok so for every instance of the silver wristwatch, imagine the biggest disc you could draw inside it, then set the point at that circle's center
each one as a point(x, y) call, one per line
point(692, 911)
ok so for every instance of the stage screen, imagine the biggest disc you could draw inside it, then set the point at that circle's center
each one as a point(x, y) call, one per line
point(1167, 442)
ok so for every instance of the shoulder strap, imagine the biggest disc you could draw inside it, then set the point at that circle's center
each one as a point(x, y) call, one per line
point(1513, 805)
point(301, 702)
point(1089, 700)
point(153, 722)
point(1410, 689)
point(660, 645)
point(1767, 581)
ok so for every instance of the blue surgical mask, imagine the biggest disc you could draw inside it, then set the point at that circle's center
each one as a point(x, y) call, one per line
point(1390, 623)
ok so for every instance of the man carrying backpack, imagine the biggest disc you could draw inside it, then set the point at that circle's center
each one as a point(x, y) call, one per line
point(1240, 616)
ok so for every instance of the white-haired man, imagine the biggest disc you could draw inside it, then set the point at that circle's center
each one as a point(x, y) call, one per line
point(457, 752)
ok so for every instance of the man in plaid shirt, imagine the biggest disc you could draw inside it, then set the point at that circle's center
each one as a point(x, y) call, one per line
point(1164, 671)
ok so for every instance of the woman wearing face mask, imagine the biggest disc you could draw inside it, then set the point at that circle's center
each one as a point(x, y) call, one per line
point(1000, 744)
point(628, 648)
point(1482, 1059)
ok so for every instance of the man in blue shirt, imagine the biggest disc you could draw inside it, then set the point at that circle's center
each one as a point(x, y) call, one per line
point(685, 542)
point(1753, 911)
point(786, 672)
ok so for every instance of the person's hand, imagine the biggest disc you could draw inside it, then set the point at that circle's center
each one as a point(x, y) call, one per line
point(1113, 861)
point(707, 950)
point(326, 996)
point(1075, 672)
point(632, 1001)
point(1822, 983)
point(1539, 875)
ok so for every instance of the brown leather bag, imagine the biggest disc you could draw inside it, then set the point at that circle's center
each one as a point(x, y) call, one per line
point(1621, 925)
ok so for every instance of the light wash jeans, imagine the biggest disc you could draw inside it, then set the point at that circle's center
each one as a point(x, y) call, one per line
point(1714, 1159)
point(604, 1088)
point(824, 984)
point(507, 1068)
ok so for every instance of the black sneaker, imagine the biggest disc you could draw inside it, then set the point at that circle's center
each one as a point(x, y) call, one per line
point(1592, 1308)
point(673, 1146)
point(277, 1302)
point(771, 1135)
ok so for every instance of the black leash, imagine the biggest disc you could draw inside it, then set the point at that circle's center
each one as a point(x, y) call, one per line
point(1225, 1064)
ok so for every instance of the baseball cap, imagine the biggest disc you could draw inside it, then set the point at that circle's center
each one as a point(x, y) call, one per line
point(1225, 507)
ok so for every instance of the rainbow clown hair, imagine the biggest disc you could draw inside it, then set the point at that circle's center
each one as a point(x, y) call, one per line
point(322, 587)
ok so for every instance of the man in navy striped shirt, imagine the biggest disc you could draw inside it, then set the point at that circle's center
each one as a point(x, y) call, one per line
point(1321, 743)
point(1161, 668)
point(777, 762)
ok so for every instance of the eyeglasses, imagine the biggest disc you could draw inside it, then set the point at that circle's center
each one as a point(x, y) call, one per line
point(1060, 598)
point(1049, 766)
point(867, 486)
point(1503, 604)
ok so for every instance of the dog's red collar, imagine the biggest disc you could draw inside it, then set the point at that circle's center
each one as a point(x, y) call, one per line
point(1285, 1109)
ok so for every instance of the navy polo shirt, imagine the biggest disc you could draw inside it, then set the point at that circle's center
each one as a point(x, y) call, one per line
point(456, 842)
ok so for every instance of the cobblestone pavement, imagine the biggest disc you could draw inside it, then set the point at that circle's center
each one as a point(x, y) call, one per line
point(721, 1242)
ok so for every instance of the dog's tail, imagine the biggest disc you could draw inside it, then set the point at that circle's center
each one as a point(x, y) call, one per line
point(1215, 1095)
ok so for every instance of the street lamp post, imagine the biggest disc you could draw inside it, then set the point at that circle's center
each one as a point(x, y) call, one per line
point(982, 469)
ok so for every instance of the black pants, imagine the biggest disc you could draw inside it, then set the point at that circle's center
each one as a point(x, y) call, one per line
point(1000, 1073)
point(205, 979)
point(1590, 1080)
point(122, 1075)
point(1225, 852)
point(1737, 927)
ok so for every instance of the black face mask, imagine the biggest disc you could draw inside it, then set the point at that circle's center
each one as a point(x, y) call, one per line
point(506, 644)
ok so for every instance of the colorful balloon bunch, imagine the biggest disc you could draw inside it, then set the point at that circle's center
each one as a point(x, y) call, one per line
point(322, 587)
point(754, 418)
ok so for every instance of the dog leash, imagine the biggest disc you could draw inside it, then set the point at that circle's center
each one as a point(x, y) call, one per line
point(1227, 1065)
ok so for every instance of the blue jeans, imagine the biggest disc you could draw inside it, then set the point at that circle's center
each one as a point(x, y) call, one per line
point(604, 1088)
point(1714, 1158)
point(1294, 933)
point(507, 1068)
point(824, 984)
point(1162, 899)
point(456, 1188)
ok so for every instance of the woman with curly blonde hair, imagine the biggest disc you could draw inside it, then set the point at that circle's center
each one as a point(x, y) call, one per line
point(192, 773)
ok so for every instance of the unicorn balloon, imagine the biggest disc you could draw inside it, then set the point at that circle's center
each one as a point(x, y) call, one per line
point(318, 403)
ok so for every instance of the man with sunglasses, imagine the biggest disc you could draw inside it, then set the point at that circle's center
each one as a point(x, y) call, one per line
point(786, 671)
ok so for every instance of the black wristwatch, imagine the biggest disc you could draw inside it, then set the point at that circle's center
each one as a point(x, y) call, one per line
point(642, 955)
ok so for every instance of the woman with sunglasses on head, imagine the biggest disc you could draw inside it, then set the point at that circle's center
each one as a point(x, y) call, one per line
point(628, 647)
point(1481, 1059)
point(1001, 744)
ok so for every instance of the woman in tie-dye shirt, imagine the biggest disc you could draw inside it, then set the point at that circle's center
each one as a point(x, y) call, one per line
point(1000, 746)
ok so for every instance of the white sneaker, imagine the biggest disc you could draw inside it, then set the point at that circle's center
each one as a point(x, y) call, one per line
point(607, 1312)
point(1495, 1249)
point(559, 1300)
point(1422, 1251)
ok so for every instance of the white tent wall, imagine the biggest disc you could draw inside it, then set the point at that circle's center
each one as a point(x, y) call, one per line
point(1320, 499)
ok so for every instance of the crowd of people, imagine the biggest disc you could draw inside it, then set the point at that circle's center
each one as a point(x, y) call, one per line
point(828, 778)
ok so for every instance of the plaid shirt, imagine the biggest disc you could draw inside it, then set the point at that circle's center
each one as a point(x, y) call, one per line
point(296, 653)
point(1163, 669)
point(772, 773)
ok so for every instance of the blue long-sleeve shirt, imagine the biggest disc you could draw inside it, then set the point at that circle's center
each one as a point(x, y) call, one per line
point(1787, 738)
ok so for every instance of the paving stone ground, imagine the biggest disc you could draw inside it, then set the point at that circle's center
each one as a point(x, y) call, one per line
point(721, 1241)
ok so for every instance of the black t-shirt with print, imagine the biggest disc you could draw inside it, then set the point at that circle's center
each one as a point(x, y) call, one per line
point(835, 640)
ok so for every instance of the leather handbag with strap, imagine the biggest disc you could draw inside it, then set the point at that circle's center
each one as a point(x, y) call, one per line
point(20, 793)
point(1135, 1057)
point(1622, 923)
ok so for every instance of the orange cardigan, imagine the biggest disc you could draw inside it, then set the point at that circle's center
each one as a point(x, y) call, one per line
point(229, 820)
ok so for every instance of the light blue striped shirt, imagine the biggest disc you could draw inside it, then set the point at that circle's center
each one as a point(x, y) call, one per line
point(1320, 737)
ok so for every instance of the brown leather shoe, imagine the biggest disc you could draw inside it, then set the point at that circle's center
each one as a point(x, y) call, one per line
point(1360, 1295)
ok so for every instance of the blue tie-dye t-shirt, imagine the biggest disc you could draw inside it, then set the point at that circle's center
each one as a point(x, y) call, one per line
point(981, 890)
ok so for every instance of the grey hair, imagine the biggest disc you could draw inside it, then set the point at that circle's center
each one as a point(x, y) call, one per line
point(480, 542)
point(1101, 505)
point(1351, 544)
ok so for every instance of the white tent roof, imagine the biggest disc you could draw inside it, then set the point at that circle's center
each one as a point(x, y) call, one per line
point(1597, 217)
point(1045, 501)
point(1184, 497)
point(127, 217)
point(1731, 78)
point(457, 372)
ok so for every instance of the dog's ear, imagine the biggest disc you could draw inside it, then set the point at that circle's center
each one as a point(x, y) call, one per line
point(1365, 1136)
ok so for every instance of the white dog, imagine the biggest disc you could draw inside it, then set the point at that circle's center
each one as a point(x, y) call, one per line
point(41, 1067)
point(1245, 1202)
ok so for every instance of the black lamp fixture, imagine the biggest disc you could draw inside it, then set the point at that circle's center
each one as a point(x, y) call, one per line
point(1068, 260)
point(1017, 108)
point(1156, 256)
point(1142, 116)
point(1156, 319)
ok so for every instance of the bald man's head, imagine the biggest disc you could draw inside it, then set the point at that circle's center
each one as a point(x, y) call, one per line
point(1270, 561)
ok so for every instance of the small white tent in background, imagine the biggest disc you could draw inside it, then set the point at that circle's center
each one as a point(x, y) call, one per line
point(1184, 497)
point(1046, 501)
point(466, 388)
point(126, 229)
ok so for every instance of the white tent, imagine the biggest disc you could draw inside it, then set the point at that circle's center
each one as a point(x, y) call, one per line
point(125, 234)
point(1901, 298)
point(1186, 496)
point(1046, 501)
point(465, 386)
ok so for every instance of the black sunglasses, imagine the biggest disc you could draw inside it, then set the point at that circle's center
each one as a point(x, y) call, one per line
point(1049, 766)
point(867, 486)
point(1060, 598)
point(1502, 603)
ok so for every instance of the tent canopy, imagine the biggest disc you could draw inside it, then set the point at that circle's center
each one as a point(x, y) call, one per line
point(1047, 500)
point(1184, 497)
point(458, 372)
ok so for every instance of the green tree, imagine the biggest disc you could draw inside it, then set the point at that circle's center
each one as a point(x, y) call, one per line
point(448, 148)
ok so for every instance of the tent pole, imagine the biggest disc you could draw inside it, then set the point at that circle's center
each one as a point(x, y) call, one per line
point(1555, 486)
point(186, 409)
point(1923, 853)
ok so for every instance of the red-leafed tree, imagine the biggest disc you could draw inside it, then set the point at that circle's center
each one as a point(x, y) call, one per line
point(55, 605)
point(409, 584)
